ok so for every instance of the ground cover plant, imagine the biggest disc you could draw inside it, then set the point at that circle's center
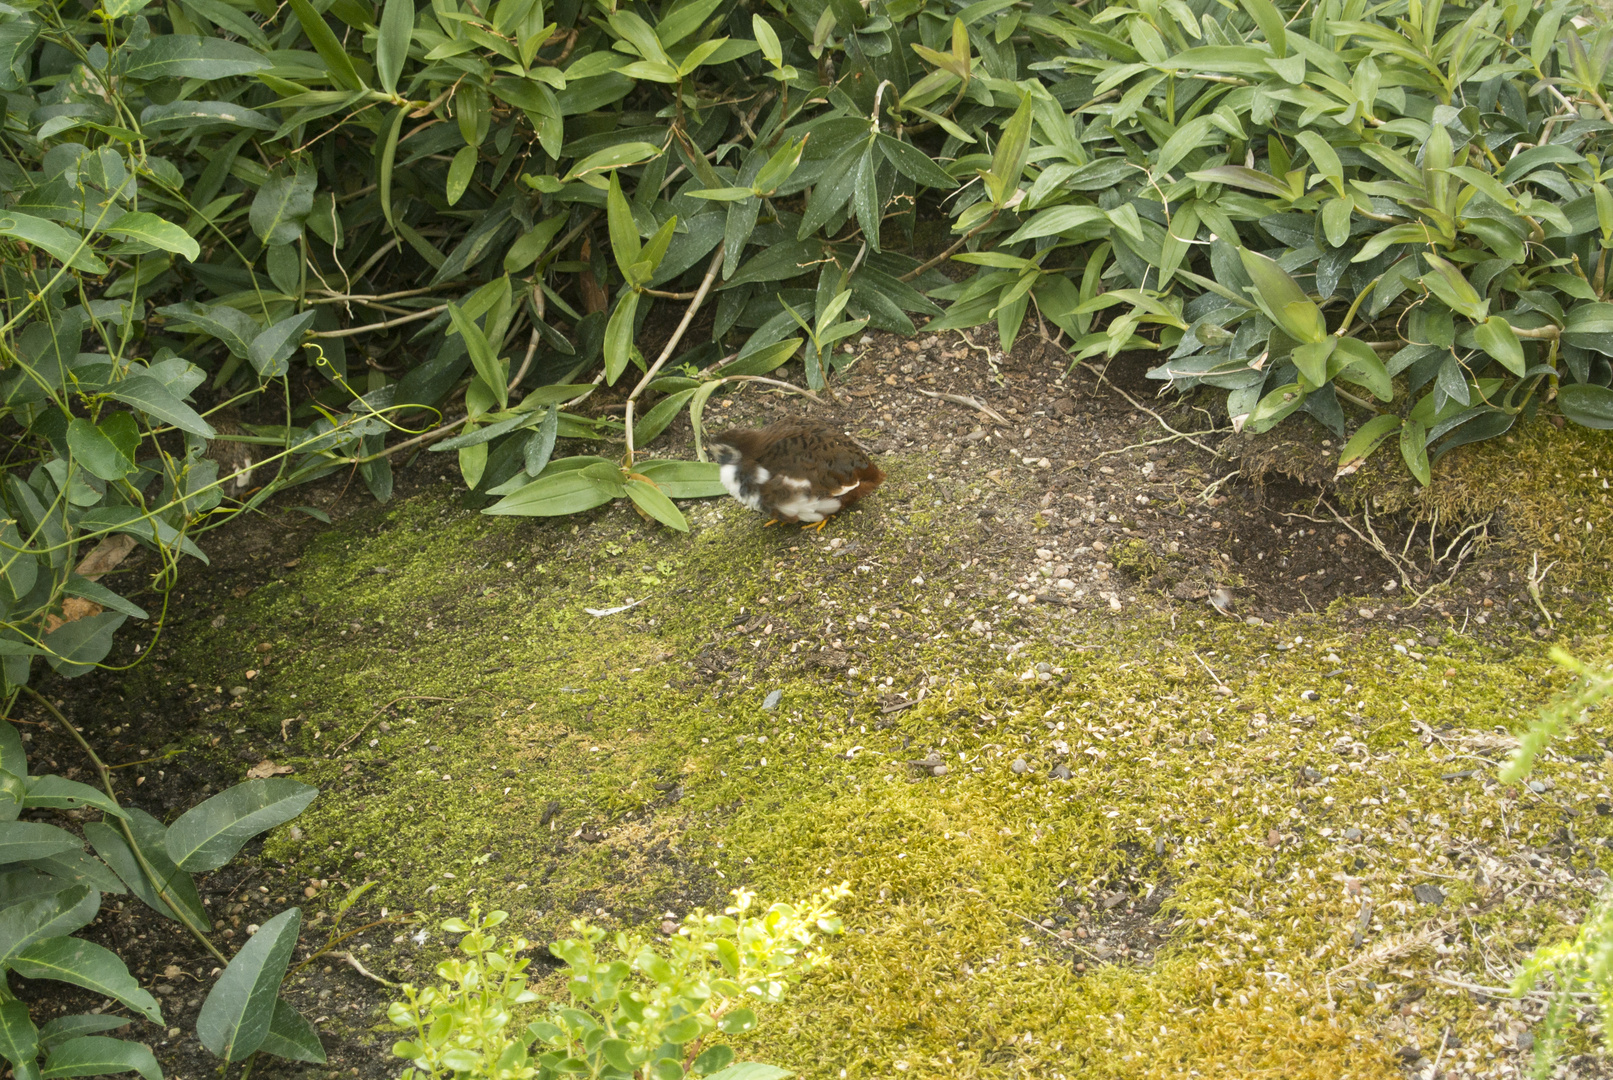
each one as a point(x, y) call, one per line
point(650, 1013)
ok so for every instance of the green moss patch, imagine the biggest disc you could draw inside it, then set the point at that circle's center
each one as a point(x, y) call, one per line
point(1079, 846)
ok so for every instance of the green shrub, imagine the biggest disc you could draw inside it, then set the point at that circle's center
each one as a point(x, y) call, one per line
point(650, 1013)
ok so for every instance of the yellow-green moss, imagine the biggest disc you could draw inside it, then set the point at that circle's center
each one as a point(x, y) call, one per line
point(1547, 490)
point(469, 639)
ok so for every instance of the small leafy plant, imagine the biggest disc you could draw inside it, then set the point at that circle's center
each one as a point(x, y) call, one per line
point(52, 888)
point(643, 1015)
point(1585, 963)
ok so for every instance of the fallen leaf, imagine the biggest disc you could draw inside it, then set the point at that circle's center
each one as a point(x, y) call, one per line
point(266, 768)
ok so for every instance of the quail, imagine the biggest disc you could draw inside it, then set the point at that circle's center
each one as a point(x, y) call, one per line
point(794, 470)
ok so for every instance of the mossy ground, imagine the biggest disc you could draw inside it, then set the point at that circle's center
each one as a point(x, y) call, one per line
point(1189, 901)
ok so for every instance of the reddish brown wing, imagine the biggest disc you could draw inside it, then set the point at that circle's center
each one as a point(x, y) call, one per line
point(829, 460)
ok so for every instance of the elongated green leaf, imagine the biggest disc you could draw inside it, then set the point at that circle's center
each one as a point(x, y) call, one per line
point(1002, 179)
point(619, 335)
point(59, 793)
point(1366, 439)
point(1061, 219)
point(208, 836)
point(1414, 450)
point(178, 115)
point(100, 1055)
point(325, 42)
point(23, 923)
point(1586, 405)
point(291, 1036)
point(184, 56)
point(110, 845)
point(86, 964)
point(1496, 337)
point(685, 479)
point(21, 840)
point(1282, 300)
point(235, 1018)
point(650, 499)
point(540, 446)
point(75, 648)
point(392, 42)
point(557, 495)
point(914, 163)
point(1270, 21)
point(282, 205)
point(19, 1038)
point(624, 239)
point(460, 171)
point(92, 449)
point(482, 357)
point(153, 398)
point(271, 349)
point(64, 245)
point(1447, 282)
point(153, 230)
point(389, 155)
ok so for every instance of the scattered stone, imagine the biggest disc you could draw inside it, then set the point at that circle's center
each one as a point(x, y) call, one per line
point(1060, 772)
point(1352, 835)
point(1409, 1054)
point(1019, 767)
point(772, 700)
point(1428, 894)
point(1526, 1040)
point(1310, 695)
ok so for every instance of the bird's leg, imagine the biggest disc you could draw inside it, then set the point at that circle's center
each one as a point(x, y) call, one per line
point(816, 526)
point(770, 524)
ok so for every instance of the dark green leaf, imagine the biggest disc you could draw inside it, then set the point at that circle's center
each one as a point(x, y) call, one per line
point(59, 793)
point(1586, 405)
point(153, 398)
point(100, 1055)
point(182, 56)
point(208, 836)
point(97, 453)
point(392, 44)
point(235, 1018)
point(271, 349)
point(291, 1036)
point(653, 501)
point(86, 964)
point(19, 1039)
point(557, 495)
point(282, 205)
point(74, 648)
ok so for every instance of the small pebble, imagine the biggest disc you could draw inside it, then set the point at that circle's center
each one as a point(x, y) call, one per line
point(1019, 766)
point(772, 700)
point(1352, 834)
point(1060, 772)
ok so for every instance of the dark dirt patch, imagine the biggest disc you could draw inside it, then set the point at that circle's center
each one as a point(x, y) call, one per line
point(1083, 501)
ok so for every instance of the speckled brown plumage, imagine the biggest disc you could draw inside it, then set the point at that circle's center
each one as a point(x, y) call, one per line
point(795, 470)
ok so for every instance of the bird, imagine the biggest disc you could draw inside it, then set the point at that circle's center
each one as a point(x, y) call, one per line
point(794, 470)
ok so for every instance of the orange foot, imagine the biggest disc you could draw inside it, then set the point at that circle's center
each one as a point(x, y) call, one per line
point(770, 524)
point(816, 526)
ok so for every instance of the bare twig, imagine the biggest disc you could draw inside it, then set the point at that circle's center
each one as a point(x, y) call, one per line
point(1160, 420)
point(968, 403)
point(688, 317)
point(387, 325)
point(1537, 578)
point(362, 970)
